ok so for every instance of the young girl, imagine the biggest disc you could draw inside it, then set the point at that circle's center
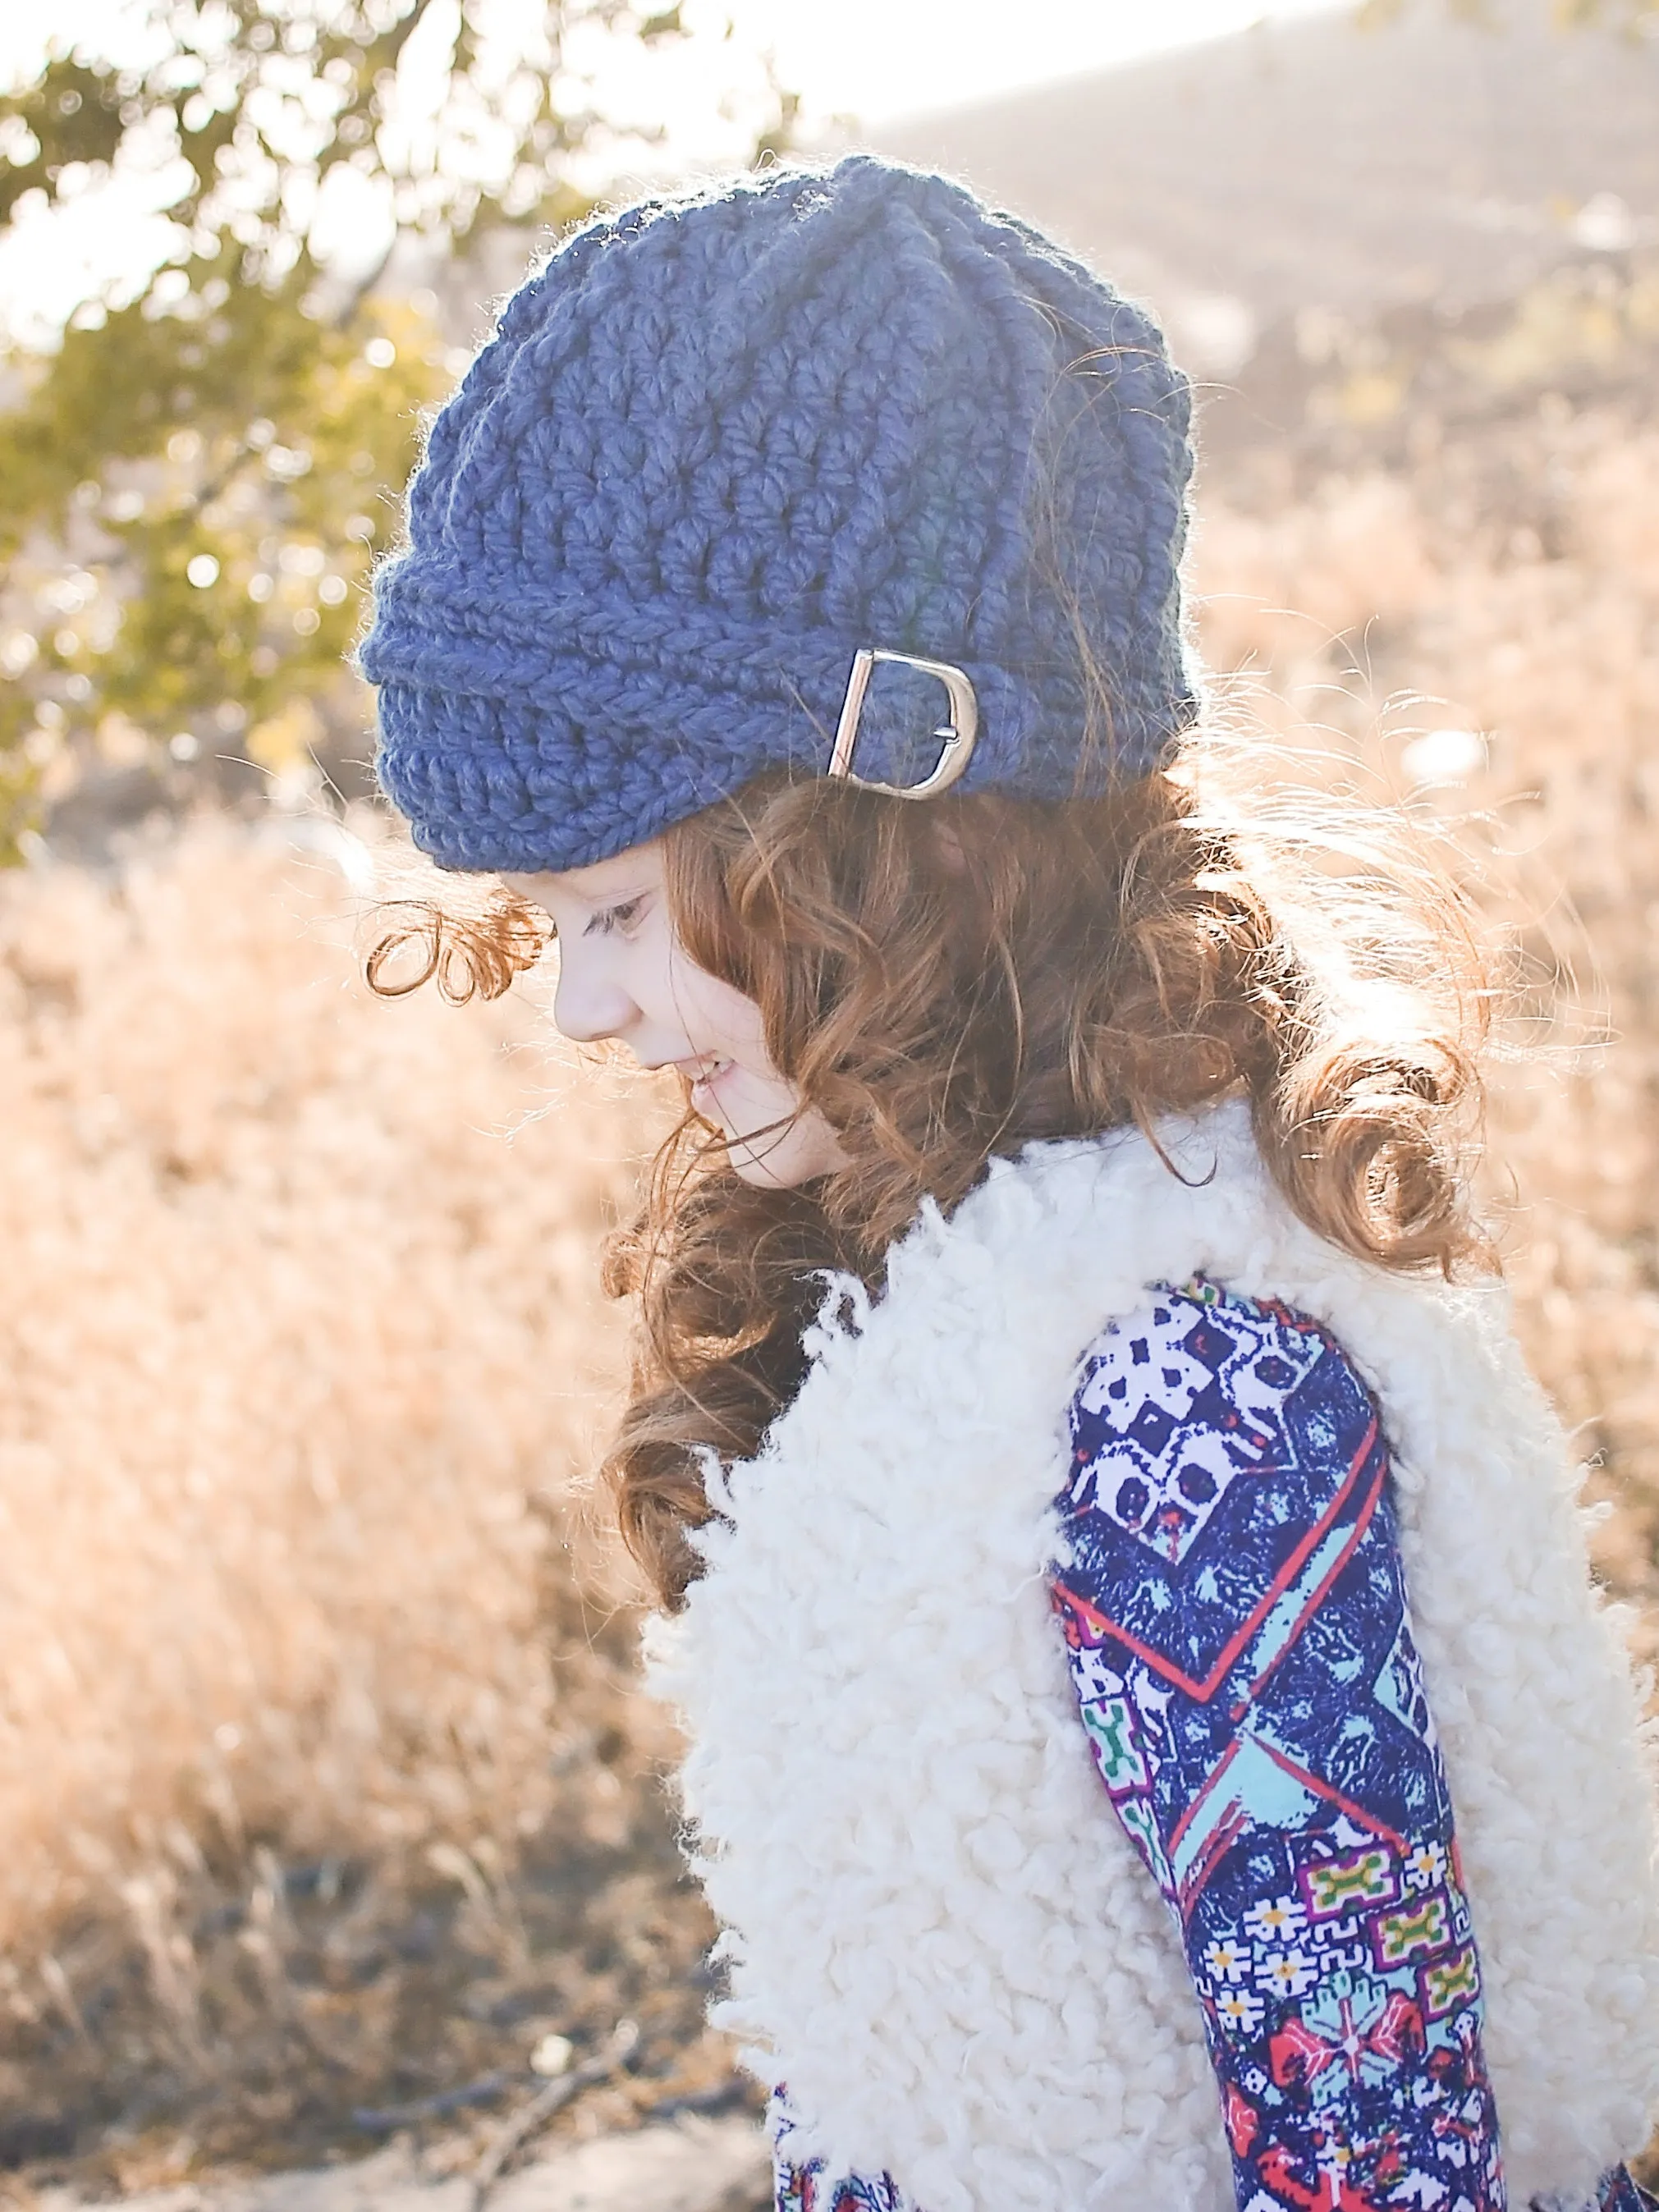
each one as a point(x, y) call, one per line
point(1152, 1742)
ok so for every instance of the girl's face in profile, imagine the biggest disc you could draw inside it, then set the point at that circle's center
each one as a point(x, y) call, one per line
point(624, 974)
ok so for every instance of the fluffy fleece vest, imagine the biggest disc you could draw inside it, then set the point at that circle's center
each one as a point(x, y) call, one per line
point(938, 1934)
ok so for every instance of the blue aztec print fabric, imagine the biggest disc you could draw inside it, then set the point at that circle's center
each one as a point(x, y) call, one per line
point(1236, 1617)
point(1234, 1609)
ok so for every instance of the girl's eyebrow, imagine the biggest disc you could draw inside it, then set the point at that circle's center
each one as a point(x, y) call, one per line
point(601, 895)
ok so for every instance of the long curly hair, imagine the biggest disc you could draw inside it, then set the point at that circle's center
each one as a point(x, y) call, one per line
point(952, 981)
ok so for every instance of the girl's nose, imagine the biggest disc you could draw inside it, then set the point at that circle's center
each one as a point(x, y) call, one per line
point(587, 1004)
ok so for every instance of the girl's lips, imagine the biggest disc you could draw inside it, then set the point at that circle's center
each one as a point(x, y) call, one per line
point(705, 1082)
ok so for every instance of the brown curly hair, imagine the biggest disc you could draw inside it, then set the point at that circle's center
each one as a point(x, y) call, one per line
point(948, 981)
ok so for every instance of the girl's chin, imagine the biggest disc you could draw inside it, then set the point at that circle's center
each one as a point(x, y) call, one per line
point(769, 1163)
point(783, 1158)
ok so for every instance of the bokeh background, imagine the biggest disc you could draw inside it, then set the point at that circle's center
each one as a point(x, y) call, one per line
point(325, 1797)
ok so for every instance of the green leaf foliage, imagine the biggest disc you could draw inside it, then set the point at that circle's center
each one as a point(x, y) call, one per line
point(197, 478)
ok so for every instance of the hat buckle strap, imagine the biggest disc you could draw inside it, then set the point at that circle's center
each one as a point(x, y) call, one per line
point(956, 736)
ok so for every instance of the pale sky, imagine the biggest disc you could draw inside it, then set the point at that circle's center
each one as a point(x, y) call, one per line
point(864, 60)
point(875, 59)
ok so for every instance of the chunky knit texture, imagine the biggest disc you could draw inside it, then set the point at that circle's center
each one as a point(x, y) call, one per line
point(716, 446)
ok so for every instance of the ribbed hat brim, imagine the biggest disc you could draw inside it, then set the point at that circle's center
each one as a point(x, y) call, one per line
point(497, 770)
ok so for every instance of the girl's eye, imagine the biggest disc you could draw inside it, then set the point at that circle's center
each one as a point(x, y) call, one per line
point(614, 918)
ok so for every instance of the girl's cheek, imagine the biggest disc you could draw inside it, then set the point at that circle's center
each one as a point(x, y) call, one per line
point(719, 1018)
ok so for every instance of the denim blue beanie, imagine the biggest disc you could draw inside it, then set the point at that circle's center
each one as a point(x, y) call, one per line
point(719, 445)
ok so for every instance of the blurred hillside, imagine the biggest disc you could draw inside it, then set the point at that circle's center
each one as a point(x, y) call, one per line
point(1314, 172)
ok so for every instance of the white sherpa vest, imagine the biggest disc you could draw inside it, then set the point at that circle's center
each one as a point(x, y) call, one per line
point(938, 1935)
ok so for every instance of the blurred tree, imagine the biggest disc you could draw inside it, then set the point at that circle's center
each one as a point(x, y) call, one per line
point(195, 481)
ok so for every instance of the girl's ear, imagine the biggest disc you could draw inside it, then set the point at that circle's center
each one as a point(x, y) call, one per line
point(947, 842)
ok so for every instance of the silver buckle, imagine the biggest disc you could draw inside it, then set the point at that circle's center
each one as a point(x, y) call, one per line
point(956, 736)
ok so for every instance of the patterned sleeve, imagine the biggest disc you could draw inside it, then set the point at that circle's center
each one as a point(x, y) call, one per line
point(1230, 1591)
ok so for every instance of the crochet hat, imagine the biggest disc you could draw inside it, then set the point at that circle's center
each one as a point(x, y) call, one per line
point(727, 457)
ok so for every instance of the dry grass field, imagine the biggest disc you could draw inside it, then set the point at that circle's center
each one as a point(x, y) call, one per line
point(1479, 634)
point(321, 1785)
